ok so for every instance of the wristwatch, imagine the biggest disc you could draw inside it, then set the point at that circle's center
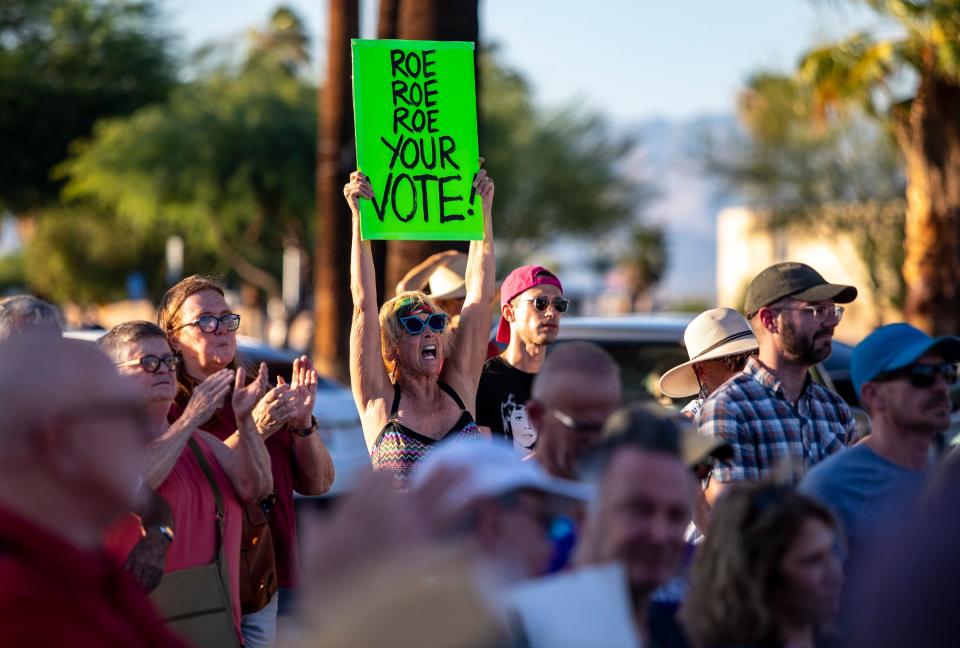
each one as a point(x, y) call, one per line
point(164, 530)
point(306, 431)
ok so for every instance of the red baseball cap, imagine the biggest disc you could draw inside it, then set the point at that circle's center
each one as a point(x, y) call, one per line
point(522, 279)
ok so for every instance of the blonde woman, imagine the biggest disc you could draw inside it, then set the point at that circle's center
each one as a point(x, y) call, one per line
point(410, 391)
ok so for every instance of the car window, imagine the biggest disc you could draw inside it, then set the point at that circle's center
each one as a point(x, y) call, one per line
point(641, 365)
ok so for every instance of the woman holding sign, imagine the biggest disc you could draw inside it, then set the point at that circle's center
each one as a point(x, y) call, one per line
point(410, 395)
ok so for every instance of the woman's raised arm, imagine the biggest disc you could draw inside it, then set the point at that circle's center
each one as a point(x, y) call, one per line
point(466, 363)
point(368, 375)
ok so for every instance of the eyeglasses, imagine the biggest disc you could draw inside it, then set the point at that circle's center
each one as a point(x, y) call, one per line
point(151, 363)
point(210, 323)
point(542, 302)
point(575, 425)
point(923, 375)
point(819, 312)
point(736, 363)
point(414, 325)
point(544, 518)
point(703, 470)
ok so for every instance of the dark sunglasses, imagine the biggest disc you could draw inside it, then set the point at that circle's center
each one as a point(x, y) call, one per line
point(923, 375)
point(575, 425)
point(151, 363)
point(414, 325)
point(737, 363)
point(703, 470)
point(542, 302)
point(542, 517)
point(209, 323)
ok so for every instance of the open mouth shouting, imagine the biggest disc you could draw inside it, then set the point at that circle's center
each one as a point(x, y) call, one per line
point(429, 352)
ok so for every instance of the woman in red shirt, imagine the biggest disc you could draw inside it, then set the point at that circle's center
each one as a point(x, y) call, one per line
point(142, 354)
point(202, 329)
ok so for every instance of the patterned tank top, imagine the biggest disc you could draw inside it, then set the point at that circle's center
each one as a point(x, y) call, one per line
point(398, 448)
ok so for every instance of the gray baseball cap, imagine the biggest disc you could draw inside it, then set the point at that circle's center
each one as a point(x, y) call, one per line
point(797, 280)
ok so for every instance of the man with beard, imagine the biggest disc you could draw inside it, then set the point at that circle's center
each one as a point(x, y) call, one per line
point(903, 377)
point(772, 414)
point(531, 305)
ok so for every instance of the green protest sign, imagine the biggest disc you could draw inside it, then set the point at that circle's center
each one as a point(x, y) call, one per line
point(415, 111)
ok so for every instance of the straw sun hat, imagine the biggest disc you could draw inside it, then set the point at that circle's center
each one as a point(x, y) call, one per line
point(447, 280)
point(715, 333)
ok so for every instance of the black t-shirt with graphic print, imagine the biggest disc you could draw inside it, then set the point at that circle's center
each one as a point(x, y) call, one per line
point(502, 403)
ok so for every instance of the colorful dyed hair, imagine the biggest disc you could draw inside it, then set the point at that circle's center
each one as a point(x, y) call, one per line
point(391, 330)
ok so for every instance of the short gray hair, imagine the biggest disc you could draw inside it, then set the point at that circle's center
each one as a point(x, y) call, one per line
point(120, 336)
point(22, 313)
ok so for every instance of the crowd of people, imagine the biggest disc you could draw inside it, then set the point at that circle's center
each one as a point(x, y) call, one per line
point(147, 481)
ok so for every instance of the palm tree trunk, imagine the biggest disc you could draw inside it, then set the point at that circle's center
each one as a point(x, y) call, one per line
point(387, 19)
point(428, 20)
point(336, 158)
point(929, 136)
point(386, 29)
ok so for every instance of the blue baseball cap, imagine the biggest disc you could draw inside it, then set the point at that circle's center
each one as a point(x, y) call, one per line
point(896, 346)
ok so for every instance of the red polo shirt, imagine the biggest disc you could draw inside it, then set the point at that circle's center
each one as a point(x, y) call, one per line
point(283, 520)
point(54, 594)
point(194, 507)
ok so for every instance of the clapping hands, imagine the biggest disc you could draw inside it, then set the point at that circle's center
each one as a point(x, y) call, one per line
point(288, 404)
point(245, 398)
point(208, 397)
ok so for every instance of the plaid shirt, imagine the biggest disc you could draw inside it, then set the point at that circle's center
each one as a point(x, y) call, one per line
point(752, 414)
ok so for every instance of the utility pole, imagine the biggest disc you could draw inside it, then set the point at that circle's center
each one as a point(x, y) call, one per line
point(336, 158)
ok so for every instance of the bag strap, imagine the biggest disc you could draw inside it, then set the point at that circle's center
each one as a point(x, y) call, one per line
point(217, 497)
point(396, 401)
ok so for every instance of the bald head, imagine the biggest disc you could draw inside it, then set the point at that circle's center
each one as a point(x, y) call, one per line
point(577, 388)
point(43, 376)
point(72, 435)
point(571, 363)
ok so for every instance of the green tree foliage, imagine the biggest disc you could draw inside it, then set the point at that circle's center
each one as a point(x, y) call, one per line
point(83, 254)
point(227, 162)
point(841, 175)
point(12, 278)
point(558, 172)
point(284, 43)
point(63, 65)
point(644, 261)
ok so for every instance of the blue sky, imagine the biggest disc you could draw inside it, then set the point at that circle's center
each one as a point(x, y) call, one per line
point(631, 59)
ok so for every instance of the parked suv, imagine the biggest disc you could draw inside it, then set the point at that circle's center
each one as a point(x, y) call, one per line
point(646, 346)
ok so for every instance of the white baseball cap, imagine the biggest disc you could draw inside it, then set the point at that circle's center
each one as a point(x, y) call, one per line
point(490, 468)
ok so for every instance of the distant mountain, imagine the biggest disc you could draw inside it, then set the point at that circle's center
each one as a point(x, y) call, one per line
point(670, 156)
